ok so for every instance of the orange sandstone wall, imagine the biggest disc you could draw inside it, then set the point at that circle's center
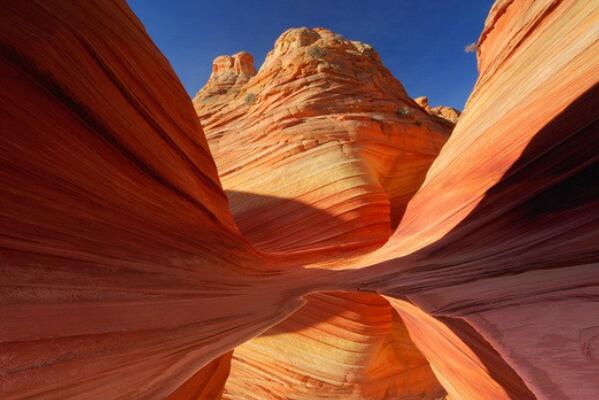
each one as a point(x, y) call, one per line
point(296, 145)
point(114, 229)
point(503, 232)
point(124, 274)
point(208, 383)
point(322, 134)
point(342, 345)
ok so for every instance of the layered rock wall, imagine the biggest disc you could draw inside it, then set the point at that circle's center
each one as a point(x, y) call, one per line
point(322, 134)
point(124, 274)
point(114, 229)
point(503, 231)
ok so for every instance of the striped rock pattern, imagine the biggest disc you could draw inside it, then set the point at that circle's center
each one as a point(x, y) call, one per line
point(351, 346)
point(325, 155)
point(503, 232)
point(114, 229)
point(124, 274)
point(322, 134)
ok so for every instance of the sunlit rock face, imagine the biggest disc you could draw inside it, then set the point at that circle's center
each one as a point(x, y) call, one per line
point(350, 346)
point(124, 273)
point(320, 152)
point(449, 114)
point(229, 72)
point(323, 134)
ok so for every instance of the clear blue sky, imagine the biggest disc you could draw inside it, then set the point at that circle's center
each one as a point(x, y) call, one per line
point(420, 41)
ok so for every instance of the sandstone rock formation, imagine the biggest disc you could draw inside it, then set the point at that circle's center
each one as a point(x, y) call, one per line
point(325, 157)
point(124, 274)
point(323, 123)
point(350, 346)
point(504, 216)
point(114, 228)
point(229, 72)
point(448, 113)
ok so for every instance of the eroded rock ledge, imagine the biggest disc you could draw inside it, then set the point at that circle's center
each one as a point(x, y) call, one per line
point(447, 113)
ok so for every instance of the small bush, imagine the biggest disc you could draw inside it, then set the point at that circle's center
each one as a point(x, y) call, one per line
point(249, 99)
point(471, 48)
point(418, 123)
point(316, 52)
point(404, 112)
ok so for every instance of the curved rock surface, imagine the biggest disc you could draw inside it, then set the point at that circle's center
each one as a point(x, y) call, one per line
point(503, 232)
point(325, 125)
point(229, 72)
point(124, 274)
point(114, 228)
point(350, 346)
point(324, 158)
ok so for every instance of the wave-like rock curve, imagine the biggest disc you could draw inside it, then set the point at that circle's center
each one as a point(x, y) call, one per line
point(124, 272)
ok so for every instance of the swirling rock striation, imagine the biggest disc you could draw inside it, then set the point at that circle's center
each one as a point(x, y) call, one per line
point(503, 232)
point(124, 274)
point(320, 89)
point(114, 229)
point(351, 346)
point(325, 135)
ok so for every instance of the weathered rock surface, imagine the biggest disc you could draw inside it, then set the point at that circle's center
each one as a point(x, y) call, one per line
point(448, 113)
point(328, 152)
point(229, 72)
point(325, 135)
point(503, 232)
point(124, 274)
point(350, 346)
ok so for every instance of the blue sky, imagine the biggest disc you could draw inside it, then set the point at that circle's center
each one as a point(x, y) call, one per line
point(420, 41)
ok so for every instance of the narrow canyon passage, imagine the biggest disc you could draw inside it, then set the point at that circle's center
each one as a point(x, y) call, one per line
point(342, 117)
point(328, 235)
point(339, 345)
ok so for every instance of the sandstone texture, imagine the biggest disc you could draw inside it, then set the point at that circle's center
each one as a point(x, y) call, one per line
point(447, 113)
point(318, 154)
point(120, 257)
point(350, 346)
point(506, 217)
point(322, 134)
point(359, 252)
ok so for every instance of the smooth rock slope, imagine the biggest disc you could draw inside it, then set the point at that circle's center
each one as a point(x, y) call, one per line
point(114, 229)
